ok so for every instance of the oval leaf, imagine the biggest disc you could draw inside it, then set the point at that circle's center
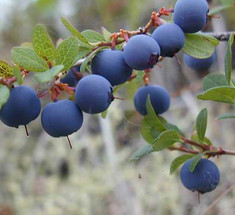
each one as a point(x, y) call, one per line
point(42, 43)
point(201, 124)
point(179, 161)
point(67, 52)
point(107, 35)
point(92, 36)
point(165, 139)
point(75, 32)
point(148, 132)
point(17, 74)
point(28, 59)
point(5, 70)
point(198, 46)
point(214, 80)
point(228, 59)
point(153, 118)
point(4, 95)
point(219, 94)
point(195, 161)
point(144, 150)
point(48, 75)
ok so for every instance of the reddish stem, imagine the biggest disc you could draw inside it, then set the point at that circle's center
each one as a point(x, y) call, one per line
point(193, 143)
point(26, 130)
point(70, 144)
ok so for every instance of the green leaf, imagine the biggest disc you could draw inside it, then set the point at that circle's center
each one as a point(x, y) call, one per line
point(152, 117)
point(195, 161)
point(219, 94)
point(67, 52)
point(218, 9)
point(92, 36)
point(214, 80)
point(195, 138)
point(201, 124)
point(74, 31)
point(226, 116)
point(106, 34)
point(42, 43)
point(170, 126)
point(208, 37)
point(228, 59)
point(139, 76)
point(148, 131)
point(17, 74)
point(89, 58)
point(48, 75)
point(166, 139)
point(179, 161)
point(4, 95)
point(5, 70)
point(28, 59)
point(144, 150)
point(198, 46)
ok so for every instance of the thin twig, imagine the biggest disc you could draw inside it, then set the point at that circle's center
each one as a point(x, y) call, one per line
point(221, 36)
point(193, 143)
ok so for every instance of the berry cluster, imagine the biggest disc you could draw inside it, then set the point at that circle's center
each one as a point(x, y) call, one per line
point(110, 67)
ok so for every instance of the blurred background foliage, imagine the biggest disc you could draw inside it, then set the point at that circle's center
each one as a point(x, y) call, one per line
point(41, 175)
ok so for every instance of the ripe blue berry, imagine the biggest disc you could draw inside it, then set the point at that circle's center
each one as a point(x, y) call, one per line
point(71, 78)
point(191, 15)
point(112, 66)
point(199, 64)
point(93, 94)
point(61, 118)
point(141, 52)
point(204, 178)
point(159, 97)
point(170, 38)
point(22, 107)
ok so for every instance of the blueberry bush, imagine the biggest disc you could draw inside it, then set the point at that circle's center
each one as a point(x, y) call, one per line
point(90, 68)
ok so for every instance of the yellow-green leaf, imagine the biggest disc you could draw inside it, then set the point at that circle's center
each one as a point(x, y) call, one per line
point(4, 95)
point(42, 43)
point(75, 32)
point(67, 52)
point(5, 70)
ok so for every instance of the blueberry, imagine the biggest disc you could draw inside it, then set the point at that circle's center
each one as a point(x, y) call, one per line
point(61, 118)
point(93, 94)
point(71, 78)
point(159, 97)
point(141, 52)
point(191, 15)
point(204, 178)
point(199, 64)
point(22, 107)
point(112, 66)
point(170, 38)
